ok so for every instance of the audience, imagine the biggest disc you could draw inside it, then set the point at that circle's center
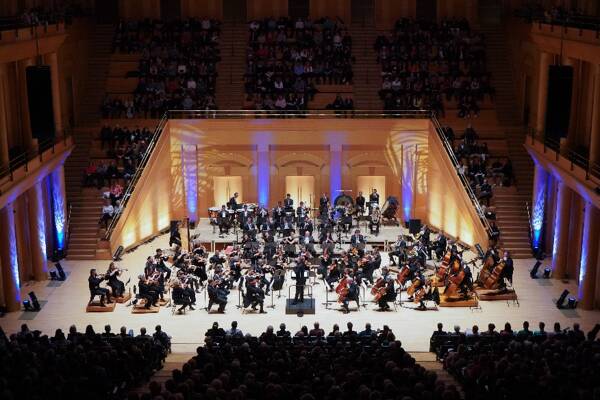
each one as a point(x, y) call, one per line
point(423, 63)
point(275, 366)
point(86, 365)
point(286, 58)
point(177, 68)
point(524, 364)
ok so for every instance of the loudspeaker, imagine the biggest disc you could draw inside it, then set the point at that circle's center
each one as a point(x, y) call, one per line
point(61, 272)
point(561, 299)
point(534, 270)
point(39, 97)
point(558, 105)
point(414, 226)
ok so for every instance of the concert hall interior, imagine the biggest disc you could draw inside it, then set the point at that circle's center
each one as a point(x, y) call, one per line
point(299, 199)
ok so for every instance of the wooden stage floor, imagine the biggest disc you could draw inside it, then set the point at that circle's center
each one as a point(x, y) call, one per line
point(64, 304)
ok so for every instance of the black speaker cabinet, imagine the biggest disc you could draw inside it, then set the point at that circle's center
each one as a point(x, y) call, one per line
point(558, 106)
point(39, 96)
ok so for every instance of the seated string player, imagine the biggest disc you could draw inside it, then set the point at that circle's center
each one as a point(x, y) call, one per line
point(181, 298)
point(94, 281)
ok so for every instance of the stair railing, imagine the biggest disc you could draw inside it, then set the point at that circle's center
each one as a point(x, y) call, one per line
point(136, 176)
point(527, 207)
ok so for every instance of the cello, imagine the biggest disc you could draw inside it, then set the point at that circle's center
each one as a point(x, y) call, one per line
point(457, 275)
point(403, 275)
point(492, 280)
point(342, 289)
point(378, 284)
point(442, 270)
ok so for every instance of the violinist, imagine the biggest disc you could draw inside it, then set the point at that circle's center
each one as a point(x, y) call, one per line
point(289, 246)
point(112, 276)
point(181, 297)
point(223, 221)
point(351, 295)
point(360, 204)
point(250, 228)
point(388, 295)
point(216, 295)
point(288, 226)
point(301, 213)
point(216, 259)
point(147, 292)
point(255, 296)
point(94, 281)
point(266, 225)
point(244, 216)
point(334, 273)
point(324, 264)
point(327, 242)
point(440, 246)
point(375, 221)
point(309, 243)
point(160, 265)
point(300, 275)
point(358, 242)
point(262, 217)
point(399, 251)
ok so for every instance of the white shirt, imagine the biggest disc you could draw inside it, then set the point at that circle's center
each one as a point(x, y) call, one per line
point(108, 210)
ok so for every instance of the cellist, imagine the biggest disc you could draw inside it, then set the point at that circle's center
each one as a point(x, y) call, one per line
point(348, 292)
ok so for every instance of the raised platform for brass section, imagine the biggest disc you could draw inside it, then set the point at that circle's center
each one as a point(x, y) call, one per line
point(495, 295)
point(96, 307)
point(453, 302)
point(123, 299)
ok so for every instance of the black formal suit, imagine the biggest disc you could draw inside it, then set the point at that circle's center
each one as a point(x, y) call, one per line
point(300, 271)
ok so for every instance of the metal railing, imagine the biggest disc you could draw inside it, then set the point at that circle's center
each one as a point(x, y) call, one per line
point(463, 179)
point(225, 114)
point(136, 176)
point(576, 158)
point(23, 159)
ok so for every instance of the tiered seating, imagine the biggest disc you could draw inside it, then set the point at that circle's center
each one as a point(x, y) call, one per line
point(430, 66)
point(177, 68)
point(77, 365)
point(365, 365)
point(288, 61)
point(528, 363)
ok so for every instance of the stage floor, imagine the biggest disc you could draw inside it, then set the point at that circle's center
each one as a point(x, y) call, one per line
point(63, 304)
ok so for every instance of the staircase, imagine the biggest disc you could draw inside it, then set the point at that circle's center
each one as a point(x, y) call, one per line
point(86, 203)
point(174, 361)
point(231, 69)
point(367, 73)
point(428, 361)
point(98, 63)
point(510, 202)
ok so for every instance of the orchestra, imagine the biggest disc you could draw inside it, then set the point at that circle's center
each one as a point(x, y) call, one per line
point(284, 240)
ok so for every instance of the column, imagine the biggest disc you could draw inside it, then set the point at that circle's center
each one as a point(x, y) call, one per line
point(189, 162)
point(28, 140)
point(9, 259)
point(335, 170)
point(561, 231)
point(595, 131)
point(538, 204)
point(545, 59)
point(4, 157)
point(263, 172)
point(572, 128)
point(21, 211)
point(37, 232)
point(59, 206)
point(52, 60)
point(589, 256)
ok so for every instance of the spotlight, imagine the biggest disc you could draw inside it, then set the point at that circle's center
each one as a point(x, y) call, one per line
point(572, 303)
point(534, 270)
point(561, 300)
point(32, 304)
point(547, 272)
point(61, 272)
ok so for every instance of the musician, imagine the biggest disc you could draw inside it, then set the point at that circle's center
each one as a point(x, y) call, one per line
point(440, 245)
point(425, 237)
point(255, 296)
point(278, 213)
point(216, 295)
point(250, 229)
point(147, 292)
point(375, 221)
point(399, 251)
point(233, 204)
point(181, 297)
point(266, 225)
point(175, 237)
point(263, 216)
point(508, 267)
point(325, 262)
point(289, 246)
point(301, 213)
point(358, 241)
point(288, 203)
point(112, 276)
point(323, 203)
point(309, 243)
point(334, 273)
point(327, 242)
point(223, 221)
point(347, 218)
point(352, 295)
point(244, 216)
point(160, 263)
point(288, 226)
point(360, 203)
point(374, 197)
point(94, 281)
point(300, 273)
point(217, 258)
point(390, 294)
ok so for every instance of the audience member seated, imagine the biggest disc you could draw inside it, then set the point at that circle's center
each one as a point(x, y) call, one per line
point(423, 63)
point(276, 366)
point(526, 364)
point(341, 105)
point(86, 365)
point(177, 68)
point(287, 58)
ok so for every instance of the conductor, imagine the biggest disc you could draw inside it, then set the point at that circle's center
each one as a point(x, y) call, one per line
point(300, 272)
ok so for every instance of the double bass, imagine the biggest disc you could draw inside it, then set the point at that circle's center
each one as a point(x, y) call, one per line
point(442, 270)
point(491, 282)
point(455, 278)
point(486, 270)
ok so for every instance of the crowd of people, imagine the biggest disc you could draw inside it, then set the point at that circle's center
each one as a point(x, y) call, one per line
point(522, 363)
point(369, 364)
point(424, 64)
point(286, 58)
point(177, 68)
point(77, 365)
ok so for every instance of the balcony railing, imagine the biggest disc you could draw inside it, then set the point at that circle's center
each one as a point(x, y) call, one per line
point(229, 114)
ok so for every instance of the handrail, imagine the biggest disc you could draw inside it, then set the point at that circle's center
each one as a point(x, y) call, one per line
point(592, 169)
point(529, 224)
point(136, 176)
point(68, 227)
point(466, 185)
point(23, 159)
point(225, 114)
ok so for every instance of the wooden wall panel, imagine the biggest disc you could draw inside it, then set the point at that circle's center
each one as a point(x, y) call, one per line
point(330, 8)
point(257, 9)
point(202, 8)
point(137, 9)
